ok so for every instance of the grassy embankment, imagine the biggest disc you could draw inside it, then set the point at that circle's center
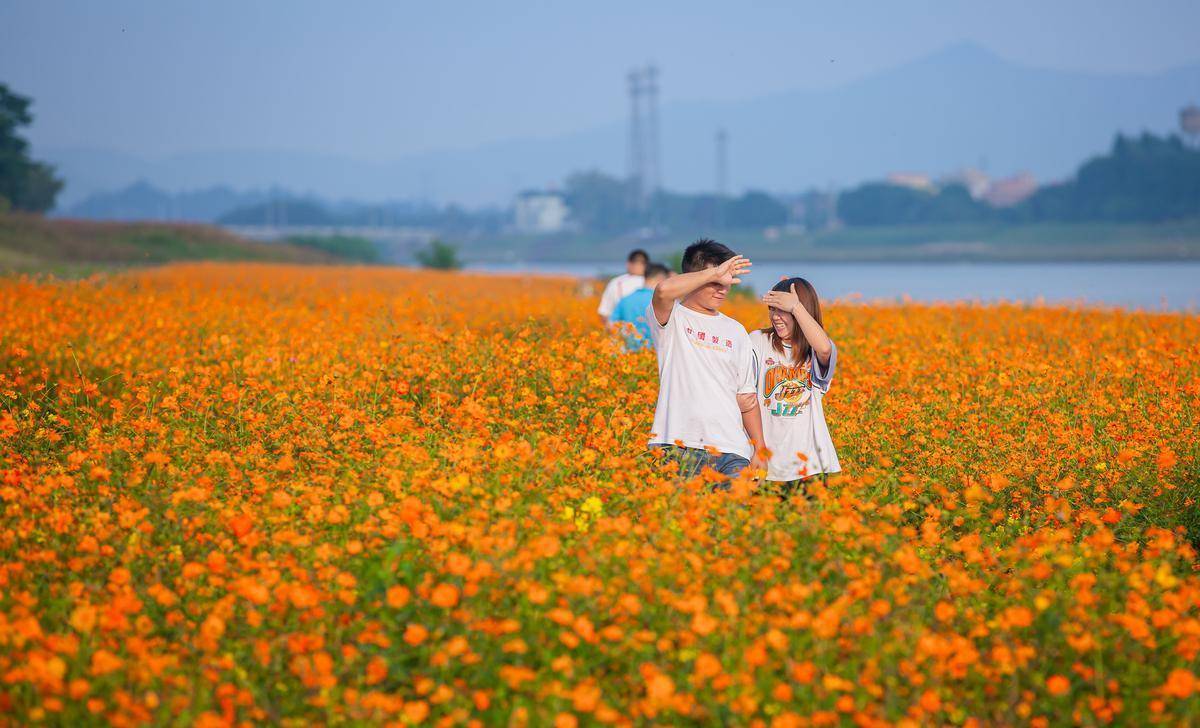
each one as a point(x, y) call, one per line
point(982, 242)
point(78, 247)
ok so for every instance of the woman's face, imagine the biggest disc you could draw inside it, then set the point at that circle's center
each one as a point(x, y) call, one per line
point(783, 322)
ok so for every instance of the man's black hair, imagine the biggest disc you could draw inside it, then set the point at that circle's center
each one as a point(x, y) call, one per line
point(705, 253)
point(639, 253)
point(653, 270)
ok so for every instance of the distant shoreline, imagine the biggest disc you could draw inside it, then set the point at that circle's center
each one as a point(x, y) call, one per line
point(951, 243)
point(891, 256)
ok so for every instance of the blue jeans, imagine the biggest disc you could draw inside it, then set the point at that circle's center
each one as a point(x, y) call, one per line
point(692, 460)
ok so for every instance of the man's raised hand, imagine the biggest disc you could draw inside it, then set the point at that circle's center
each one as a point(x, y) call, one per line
point(729, 272)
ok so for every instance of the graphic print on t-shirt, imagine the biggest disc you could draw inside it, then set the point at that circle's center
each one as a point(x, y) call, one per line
point(707, 340)
point(786, 388)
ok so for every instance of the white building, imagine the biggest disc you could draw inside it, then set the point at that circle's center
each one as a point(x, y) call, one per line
point(912, 180)
point(539, 211)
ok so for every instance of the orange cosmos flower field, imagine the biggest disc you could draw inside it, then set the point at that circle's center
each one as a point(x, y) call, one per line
point(240, 494)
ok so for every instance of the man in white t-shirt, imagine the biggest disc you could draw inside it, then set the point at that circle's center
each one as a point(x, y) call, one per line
point(624, 284)
point(707, 412)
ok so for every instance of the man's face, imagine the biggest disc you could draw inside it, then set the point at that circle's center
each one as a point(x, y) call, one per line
point(636, 267)
point(710, 296)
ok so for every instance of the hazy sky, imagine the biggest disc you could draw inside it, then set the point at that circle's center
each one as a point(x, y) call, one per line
point(377, 80)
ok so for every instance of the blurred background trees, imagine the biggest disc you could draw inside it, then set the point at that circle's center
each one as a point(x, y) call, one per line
point(25, 184)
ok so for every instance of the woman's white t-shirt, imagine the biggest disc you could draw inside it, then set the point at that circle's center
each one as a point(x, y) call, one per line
point(704, 362)
point(789, 399)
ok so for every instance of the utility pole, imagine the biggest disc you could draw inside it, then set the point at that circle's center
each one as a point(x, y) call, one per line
point(652, 174)
point(722, 162)
point(636, 153)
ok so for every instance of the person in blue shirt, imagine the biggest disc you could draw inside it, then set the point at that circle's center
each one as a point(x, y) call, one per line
point(629, 315)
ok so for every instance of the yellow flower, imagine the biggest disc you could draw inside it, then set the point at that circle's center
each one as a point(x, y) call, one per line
point(592, 506)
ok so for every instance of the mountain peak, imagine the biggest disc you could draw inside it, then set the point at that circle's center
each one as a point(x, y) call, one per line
point(963, 53)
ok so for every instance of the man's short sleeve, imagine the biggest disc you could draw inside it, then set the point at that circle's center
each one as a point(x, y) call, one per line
point(823, 377)
point(657, 330)
point(747, 382)
point(609, 299)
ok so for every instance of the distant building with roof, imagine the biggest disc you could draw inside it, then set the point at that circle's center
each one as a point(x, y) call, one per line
point(1010, 191)
point(540, 211)
point(912, 180)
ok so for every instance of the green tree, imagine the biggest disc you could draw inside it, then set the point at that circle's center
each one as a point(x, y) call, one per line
point(877, 203)
point(24, 183)
point(601, 203)
point(1142, 179)
point(755, 209)
point(439, 255)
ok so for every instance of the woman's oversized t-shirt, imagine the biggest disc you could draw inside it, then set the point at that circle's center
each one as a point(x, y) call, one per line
point(704, 362)
point(790, 401)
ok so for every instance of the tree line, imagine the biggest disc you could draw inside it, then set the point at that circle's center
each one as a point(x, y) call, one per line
point(605, 204)
point(1142, 179)
point(25, 184)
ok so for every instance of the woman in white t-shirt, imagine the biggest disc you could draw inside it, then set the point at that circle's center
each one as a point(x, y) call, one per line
point(794, 362)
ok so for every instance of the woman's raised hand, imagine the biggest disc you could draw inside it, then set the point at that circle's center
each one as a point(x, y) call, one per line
point(782, 300)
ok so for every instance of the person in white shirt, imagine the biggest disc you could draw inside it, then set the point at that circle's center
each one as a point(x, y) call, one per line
point(624, 284)
point(794, 362)
point(706, 413)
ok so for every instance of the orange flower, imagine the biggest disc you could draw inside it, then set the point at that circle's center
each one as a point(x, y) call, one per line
point(415, 634)
point(1058, 685)
point(398, 596)
point(104, 662)
point(83, 618)
point(444, 596)
point(1181, 684)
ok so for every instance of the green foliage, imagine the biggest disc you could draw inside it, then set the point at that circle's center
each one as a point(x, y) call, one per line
point(24, 184)
point(674, 261)
point(600, 203)
point(877, 203)
point(345, 247)
point(34, 243)
point(1143, 179)
point(754, 209)
point(439, 255)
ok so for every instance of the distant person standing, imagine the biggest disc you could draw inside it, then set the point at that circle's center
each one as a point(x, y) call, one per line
point(630, 313)
point(624, 284)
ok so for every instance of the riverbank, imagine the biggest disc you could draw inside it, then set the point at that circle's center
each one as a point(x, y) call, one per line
point(1042, 242)
point(33, 244)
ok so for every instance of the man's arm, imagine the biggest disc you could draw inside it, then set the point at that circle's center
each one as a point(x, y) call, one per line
point(682, 285)
point(752, 422)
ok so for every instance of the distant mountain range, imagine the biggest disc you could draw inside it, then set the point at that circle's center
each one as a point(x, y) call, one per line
point(145, 201)
point(960, 106)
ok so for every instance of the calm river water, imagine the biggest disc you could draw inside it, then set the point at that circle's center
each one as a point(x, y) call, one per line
point(1153, 286)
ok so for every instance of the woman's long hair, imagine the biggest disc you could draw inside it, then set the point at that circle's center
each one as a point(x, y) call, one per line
point(801, 350)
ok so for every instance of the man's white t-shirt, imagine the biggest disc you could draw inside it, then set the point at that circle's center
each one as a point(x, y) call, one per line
point(704, 362)
point(789, 400)
point(618, 288)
